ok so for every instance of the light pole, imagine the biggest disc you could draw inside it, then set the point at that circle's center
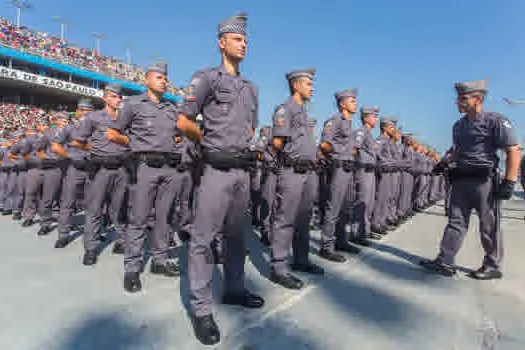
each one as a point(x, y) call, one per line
point(20, 5)
point(63, 24)
point(98, 37)
point(127, 48)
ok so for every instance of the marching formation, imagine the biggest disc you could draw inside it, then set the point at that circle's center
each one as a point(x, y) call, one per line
point(143, 166)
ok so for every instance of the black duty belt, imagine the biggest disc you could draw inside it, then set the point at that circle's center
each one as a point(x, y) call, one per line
point(300, 166)
point(108, 162)
point(366, 167)
point(51, 163)
point(159, 159)
point(474, 172)
point(346, 165)
point(230, 160)
point(81, 165)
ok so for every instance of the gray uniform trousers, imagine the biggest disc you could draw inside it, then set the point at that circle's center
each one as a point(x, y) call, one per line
point(4, 176)
point(381, 205)
point(34, 182)
point(19, 202)
point(339, 207)
point(469, 193)
point(108, 185)
point(155, 187)
point(268, 201)
point(394, 199)
point(50, 190)
point(292, 218)
point(12, 191)
point(255, 193)
point(75, 179)
point(182, 196)
point(365, 198)
point(221, 202)
point(405, 198)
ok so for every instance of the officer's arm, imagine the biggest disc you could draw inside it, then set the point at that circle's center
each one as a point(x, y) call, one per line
point(41, 146)
point(57, 148)
point(81, 134)
point(25, 149)
point(199, 90)
point(189, 128)
point(281, 129)
point(116, 129)
point(512, 163)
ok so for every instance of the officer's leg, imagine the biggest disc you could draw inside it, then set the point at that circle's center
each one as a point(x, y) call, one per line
point(458, 220)
point(338, 191)
point(185, 213)
point(489, 225)
point(213, 200)
point(67, 204)
point(301, 238)
point(21, 194)
point(291, 187)
point(234, 229)
point(164, 201)
point(267, 205)
point(32, 187)
point(51, 186)
point(143, 198)
point(10, 193)
point(95, 198)
point(116, 202)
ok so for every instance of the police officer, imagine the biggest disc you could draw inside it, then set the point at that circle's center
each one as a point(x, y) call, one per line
point(384, 185)
point(13, 194)
point(76, 178)
point(229, 106)
point(297, 182)
point(477, 137)
point(339, 141)
point(270, 167)
point(51, 172)
point(149, 120)
point(366, 162)
point(22, 166)
point(34, 177)
point(107, 172)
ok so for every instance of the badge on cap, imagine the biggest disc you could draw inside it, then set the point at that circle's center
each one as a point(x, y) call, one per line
point(327, 128)
point(506, 124)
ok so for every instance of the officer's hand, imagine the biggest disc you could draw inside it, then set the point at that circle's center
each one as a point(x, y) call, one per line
point(505, 189)
point(439, 168)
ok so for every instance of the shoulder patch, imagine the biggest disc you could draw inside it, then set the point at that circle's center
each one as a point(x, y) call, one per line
point(506, 124)
point(279, 116)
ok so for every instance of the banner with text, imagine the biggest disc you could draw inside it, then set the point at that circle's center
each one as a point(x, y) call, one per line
point(15, 74)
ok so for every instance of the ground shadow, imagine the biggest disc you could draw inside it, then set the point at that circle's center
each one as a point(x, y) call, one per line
point(409, 257)
point(111, 332)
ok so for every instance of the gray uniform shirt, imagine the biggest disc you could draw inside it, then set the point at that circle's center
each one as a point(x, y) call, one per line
point(150, 126)
point(290, 121)
point(93, 129)
point(475, 143)
point(229, 107)
point(337, 131)
point(366, 152)
point(65, 138)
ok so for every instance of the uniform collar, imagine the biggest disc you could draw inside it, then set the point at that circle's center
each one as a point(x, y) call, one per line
point(296, 108)
point(145, 98)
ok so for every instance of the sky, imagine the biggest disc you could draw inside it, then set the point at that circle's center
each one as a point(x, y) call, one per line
point(403, 56)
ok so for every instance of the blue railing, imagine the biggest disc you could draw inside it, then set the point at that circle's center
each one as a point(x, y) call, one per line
point(15, 54)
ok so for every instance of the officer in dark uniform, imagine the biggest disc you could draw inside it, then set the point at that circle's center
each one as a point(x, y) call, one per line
point(22, 173)
point(13, 194)
point(77, 176)
point(339, 141)
point(228, 103)
point(107, 172)
point(297, 149)
point(477, 137)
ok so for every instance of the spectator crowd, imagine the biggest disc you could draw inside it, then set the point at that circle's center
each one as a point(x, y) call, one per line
point(51, 47)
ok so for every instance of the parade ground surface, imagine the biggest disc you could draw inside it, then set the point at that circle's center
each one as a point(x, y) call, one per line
point(380, 299)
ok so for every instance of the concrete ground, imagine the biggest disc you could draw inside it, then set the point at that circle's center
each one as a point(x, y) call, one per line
point(381, 299)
